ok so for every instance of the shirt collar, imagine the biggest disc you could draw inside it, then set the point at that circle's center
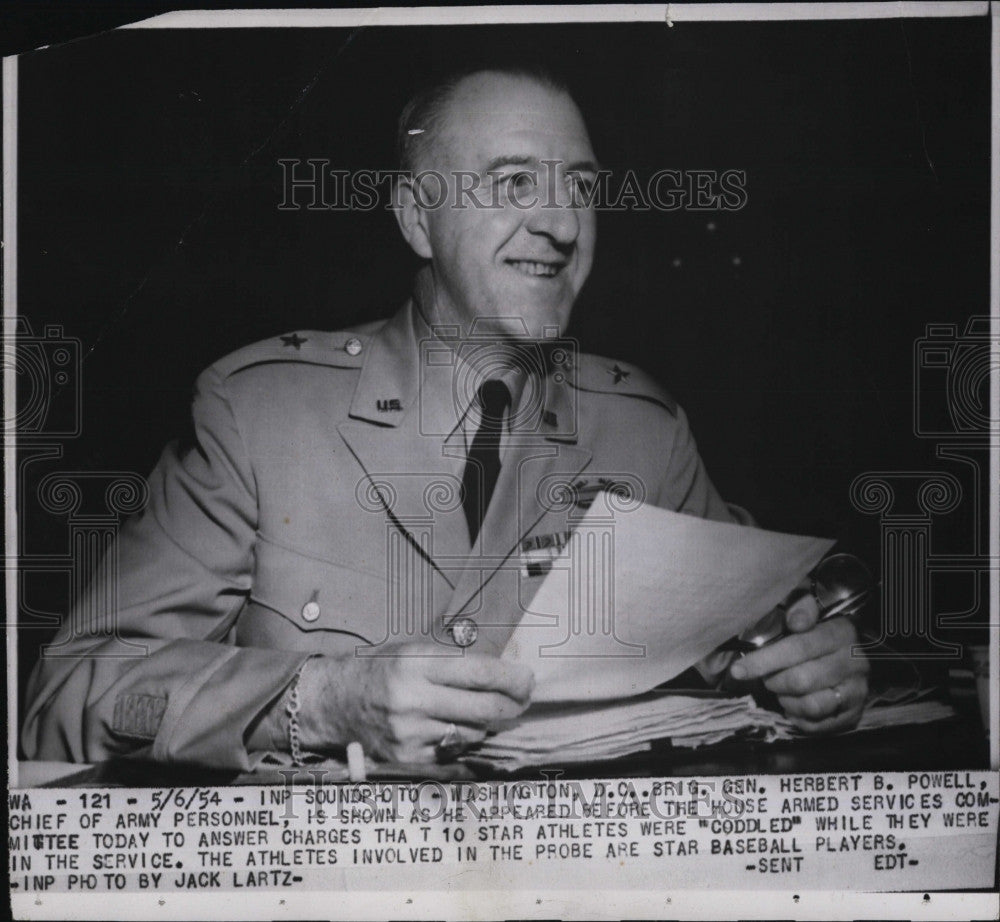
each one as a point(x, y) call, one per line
point(412, 368)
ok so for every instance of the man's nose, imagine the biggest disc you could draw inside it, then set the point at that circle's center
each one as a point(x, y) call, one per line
point(555, 215)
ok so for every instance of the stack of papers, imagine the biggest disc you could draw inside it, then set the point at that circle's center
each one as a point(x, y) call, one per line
point(589, 733)
point(894, 715)
point(552, 735)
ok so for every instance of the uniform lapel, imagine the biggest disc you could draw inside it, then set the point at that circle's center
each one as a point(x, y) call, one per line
point(398, 439)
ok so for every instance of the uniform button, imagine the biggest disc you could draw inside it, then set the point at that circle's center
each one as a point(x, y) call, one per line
point(353, 346)
point(464, 632)
point(310, 611)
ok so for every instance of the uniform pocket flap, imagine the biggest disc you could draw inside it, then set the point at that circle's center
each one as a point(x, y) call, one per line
point(317, 595)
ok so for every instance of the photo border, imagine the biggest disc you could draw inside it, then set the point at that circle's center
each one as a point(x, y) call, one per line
point(437, 904)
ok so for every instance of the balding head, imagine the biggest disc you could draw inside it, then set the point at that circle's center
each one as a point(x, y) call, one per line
point(421, 120)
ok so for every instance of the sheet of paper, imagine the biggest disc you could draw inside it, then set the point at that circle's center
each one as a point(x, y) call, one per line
point(640, 595)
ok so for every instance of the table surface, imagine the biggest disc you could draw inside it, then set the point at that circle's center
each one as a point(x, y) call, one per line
point(954, 744)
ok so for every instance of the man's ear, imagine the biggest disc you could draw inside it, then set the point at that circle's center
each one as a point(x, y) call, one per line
point(412, 219)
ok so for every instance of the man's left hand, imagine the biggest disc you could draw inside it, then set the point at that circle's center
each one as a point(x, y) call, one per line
point(819, 683)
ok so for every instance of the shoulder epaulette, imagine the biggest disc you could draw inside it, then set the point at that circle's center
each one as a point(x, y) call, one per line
point(600, 375)
point(340, 349)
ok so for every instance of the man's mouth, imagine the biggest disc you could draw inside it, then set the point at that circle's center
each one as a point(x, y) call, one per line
point(535, 268)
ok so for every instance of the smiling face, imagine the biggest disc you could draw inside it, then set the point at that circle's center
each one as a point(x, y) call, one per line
point(526, 254)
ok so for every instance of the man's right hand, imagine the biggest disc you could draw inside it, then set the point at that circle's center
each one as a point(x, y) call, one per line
point(399, 704)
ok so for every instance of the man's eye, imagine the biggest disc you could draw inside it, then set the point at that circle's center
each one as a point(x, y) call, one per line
point(520, 182)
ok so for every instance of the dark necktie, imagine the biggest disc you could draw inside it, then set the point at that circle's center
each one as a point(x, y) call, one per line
point(483, 467)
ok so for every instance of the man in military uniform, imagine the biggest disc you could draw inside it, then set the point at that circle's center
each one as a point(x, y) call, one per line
point(343, 552)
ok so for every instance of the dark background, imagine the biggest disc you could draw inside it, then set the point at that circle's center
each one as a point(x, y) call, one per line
point(149, 229)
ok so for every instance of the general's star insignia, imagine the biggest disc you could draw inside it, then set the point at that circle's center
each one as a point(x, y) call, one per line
point(619, 374)
point(294, 340)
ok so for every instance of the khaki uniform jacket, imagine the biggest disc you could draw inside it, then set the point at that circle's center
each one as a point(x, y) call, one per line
point(318, 511)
